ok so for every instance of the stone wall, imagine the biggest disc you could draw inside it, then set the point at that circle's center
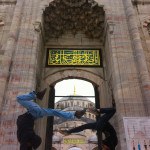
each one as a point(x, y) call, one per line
point(22, 60)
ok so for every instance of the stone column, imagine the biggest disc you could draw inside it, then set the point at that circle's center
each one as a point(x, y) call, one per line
point(139, 53)
point(21, 69)
point(10, 49)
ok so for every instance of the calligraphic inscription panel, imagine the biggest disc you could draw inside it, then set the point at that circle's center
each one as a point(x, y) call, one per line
point(73, 57)
point(74, 141)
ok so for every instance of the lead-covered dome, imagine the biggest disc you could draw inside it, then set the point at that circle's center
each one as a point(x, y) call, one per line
point(74, 97)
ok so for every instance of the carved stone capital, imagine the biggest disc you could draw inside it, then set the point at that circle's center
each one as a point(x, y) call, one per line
point(111, 27)
point(37, 26)
point(1, 20)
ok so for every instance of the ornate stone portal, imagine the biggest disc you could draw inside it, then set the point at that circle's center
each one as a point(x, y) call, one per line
point(74, 16)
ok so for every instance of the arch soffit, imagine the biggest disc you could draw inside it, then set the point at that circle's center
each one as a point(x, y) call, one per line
point(74, 74)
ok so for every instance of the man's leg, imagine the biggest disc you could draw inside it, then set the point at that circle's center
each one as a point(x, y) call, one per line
point(111, 139)
point(38, 112)
point(26, 100)
point(82, 127)
point(79, 128)
point(24, 146)
point(108, 113)
point(57, 113)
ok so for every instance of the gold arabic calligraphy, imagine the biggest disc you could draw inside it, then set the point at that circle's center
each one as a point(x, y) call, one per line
point(73, 57)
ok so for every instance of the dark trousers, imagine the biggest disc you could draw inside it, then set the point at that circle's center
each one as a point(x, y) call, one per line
point(108, 113)
point(24, 146)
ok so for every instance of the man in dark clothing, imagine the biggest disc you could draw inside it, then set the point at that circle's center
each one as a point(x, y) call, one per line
point(26, 135)
point(102, 124)
point(111, 139)
point(25, 132)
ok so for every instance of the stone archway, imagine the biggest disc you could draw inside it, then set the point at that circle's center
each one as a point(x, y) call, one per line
point(73, 73)
point(52, 79)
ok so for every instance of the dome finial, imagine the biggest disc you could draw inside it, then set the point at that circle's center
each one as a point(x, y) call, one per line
point(74, 90)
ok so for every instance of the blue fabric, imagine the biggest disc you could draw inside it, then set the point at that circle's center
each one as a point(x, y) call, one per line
point(26, 100)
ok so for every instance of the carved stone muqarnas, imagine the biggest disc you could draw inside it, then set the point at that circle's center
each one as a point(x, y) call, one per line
point(85, 16)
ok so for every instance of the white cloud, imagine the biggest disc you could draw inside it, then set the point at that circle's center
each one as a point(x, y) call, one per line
point(67, 87)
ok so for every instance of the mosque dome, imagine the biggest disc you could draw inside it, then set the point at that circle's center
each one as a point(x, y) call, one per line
point(73, 103)
point(74, 108)
point(74, 97)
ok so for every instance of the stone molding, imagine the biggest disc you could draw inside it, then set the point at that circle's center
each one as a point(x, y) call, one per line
point(8, 2)
point(37, 26)
point(111, 27)
point(1, 21)
point(136, 2)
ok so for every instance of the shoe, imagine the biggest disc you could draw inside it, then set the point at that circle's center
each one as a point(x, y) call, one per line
point(40, 95)
point(64, 132)
point(80, 113)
